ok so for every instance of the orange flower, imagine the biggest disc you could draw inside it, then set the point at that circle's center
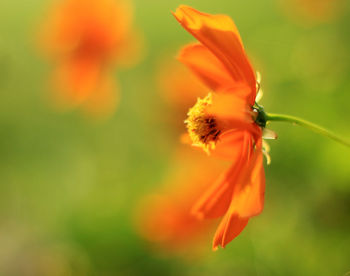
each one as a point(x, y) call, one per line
point(224, 122)
point(85, 38)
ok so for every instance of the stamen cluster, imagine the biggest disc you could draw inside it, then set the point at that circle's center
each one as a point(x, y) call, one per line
point(202, 127)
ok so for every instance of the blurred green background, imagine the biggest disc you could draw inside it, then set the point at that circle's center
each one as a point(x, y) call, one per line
point(69, 186)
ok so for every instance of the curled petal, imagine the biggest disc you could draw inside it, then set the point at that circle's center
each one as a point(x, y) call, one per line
point(220, 35)
point(248, 198)
point(216, 200)
point(230, 227)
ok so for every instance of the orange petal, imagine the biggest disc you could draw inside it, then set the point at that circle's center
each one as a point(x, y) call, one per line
point(248, 201)
point(230, 227)
point(216, 200)
point(227, 145)
point(206, 66)
point(231, 107)
point(220, 35)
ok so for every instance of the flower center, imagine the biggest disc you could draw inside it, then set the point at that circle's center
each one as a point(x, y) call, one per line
point(202, 127)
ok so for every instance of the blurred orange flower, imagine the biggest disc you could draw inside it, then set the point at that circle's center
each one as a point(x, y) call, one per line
point(165, 218)
point(178, 86)
point(85, 38)
point(224, 123)
point(179, 89)
point(313, 11)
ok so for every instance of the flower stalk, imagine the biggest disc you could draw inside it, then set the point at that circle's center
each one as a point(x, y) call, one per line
point(263, 118)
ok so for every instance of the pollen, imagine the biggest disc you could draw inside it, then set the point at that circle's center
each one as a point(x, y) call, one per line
point(202, 127)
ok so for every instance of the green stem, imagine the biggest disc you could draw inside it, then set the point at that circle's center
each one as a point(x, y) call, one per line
point(306, 124)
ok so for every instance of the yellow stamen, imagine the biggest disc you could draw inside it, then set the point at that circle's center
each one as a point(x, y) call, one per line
point(201, 126)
